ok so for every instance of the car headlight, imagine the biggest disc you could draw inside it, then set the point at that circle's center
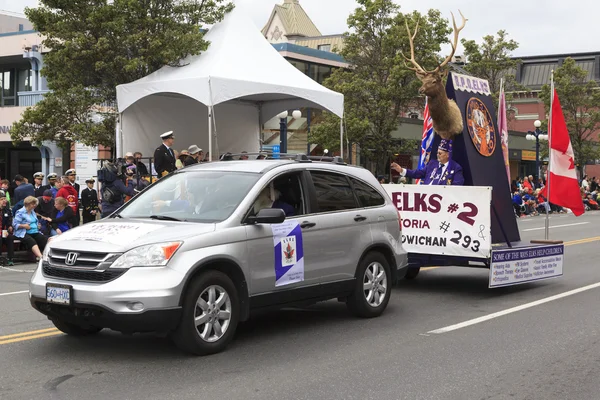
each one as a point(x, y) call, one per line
point(152, 255)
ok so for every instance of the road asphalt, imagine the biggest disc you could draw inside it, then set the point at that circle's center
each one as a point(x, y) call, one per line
point(546, 351)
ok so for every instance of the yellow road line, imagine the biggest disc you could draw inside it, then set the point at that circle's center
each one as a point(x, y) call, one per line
point(2, 338)
point(24, 338)
point(582, 241)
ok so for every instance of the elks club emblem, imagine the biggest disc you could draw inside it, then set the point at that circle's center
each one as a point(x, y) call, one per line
point(288, 251)
point(481, 127)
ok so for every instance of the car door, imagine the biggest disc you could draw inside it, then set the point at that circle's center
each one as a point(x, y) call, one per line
point(270, 245)
point(373, 204)
point(339, 231)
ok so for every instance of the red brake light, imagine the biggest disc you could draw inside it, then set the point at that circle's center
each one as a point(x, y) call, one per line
point(399, 221)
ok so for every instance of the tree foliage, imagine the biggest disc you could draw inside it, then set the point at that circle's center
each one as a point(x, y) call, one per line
point(94, 45)
point(378, 87)
point(580, 102)
point(491, 60)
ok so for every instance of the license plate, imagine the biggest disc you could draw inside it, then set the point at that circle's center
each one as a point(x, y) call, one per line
point(59, 294)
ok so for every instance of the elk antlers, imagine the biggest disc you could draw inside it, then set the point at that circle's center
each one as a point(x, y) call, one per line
point(454, 44)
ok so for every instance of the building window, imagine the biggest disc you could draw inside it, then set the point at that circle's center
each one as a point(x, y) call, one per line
point(302, 66)
point(320, 72)
point(413, 115)
point(325, 47)
point(7, 88)
point(21, 27)
point(24, 81)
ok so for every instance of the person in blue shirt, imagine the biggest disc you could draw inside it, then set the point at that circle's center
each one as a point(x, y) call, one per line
point(517, 203)
point(442, 171)
point(57, 186)
point(27, 227)
point(61, 216)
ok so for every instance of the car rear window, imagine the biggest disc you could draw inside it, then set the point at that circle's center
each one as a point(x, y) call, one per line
point(334, 192)
point(367, 195)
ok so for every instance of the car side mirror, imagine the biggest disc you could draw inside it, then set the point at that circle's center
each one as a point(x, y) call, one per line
point(268, 216)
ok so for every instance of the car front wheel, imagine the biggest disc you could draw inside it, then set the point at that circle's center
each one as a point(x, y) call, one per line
point(210, 314)
point(373, 287)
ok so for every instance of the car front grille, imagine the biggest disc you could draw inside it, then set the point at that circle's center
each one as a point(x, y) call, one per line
point(83, 259)
point(82, 275)
point(83, 266)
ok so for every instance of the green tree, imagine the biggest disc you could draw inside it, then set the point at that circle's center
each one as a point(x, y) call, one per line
point(580, 102)
point(93, 46)
point(378, 87)
point(492, 60)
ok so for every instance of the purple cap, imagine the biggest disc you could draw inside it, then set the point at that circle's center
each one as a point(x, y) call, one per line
point(445, 145)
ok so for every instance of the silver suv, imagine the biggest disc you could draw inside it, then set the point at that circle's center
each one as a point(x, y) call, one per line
point(196, 252)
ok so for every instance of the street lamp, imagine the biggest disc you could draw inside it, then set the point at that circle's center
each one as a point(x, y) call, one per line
point(296, 114)
point(537, 135)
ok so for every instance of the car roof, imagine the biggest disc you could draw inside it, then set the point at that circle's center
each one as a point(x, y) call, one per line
point(255, 166)
point(264, 166)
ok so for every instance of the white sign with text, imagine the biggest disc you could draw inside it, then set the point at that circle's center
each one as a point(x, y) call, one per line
point(526, 264)
point(85, 165)
point(448, 220)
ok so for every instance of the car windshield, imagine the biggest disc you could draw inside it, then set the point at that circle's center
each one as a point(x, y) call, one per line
point(198, 196)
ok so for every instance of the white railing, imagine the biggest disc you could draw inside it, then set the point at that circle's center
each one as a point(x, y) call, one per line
point(29, 99)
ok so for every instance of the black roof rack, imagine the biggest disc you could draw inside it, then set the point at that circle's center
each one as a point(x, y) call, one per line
point(298, 157)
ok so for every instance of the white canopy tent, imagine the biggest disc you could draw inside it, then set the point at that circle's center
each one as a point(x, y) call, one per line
point(219, 99)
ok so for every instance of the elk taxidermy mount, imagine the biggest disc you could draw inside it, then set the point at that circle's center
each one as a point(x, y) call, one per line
point(445, 114)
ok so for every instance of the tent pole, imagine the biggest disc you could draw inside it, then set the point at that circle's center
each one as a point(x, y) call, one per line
point(210, 133)
point(119, 136)
point(342, 138)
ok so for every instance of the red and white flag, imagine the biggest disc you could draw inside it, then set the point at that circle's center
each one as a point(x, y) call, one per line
point(562, 178)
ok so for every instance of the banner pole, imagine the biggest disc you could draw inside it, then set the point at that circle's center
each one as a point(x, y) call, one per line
point(547, 224)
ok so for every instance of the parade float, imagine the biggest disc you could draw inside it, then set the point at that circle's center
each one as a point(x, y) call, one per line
point(472, 225)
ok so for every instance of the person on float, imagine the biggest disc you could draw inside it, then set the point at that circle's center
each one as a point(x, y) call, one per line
point(442, 171)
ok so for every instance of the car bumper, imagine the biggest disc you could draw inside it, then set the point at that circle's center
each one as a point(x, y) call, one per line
point(140, 300)
point(164, 320)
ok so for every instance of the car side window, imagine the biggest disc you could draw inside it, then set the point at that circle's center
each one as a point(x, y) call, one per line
point(333, 191)
point(285, 192)
point(367, 195)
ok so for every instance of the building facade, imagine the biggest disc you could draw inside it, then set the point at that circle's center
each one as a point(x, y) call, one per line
point(21, 85)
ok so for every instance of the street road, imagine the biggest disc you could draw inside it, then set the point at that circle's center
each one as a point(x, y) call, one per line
point(546, 351)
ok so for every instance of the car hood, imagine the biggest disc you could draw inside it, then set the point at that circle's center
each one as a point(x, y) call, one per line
point(116, 236)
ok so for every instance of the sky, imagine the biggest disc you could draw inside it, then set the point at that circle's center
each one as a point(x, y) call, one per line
point(539, 26)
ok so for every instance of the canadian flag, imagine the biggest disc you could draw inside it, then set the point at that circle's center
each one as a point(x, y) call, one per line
point(562, 179)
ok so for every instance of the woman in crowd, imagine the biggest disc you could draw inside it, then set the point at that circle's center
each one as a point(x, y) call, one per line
point(61, 216)
point(27, 227)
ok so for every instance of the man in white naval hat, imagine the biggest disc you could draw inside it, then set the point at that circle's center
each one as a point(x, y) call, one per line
point(72, 175)
point(164, 156)
point(38, 188)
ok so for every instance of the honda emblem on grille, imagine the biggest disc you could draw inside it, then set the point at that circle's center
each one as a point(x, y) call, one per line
point(71, 258)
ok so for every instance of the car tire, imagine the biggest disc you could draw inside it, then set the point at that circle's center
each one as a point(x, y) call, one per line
point(373, 287)
point(203, 309)
point(412, 273)
point(75, 330)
